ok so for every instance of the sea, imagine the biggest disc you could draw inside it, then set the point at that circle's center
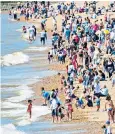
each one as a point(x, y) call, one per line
point(18, 70)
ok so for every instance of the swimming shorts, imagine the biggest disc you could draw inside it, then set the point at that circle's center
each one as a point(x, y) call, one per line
point(54, 112)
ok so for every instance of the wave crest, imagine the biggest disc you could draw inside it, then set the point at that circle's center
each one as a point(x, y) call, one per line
point(14, 59)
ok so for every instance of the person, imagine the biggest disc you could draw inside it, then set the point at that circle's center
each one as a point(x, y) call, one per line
point(49, 58)
point(89, 101)
point(54, 109)
point(43, 23)
point(110, 67)
point(43, 37)
point(97, 101)
point(80, 103)
point(67, 34)
point(24, 29)
point(69, 109)
point(59, 112)
point(113, 80)
point(109, 106)
point(102, 76)
point(104, 91)
point(104, 129)
point(97, 88)
point(31, 33)
point(35, 31)
point(46, 95)
point(108, 128)
point(29, 109)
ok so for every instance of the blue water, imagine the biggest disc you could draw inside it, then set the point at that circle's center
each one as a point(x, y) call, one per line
point(11, 39)
point(17, 75)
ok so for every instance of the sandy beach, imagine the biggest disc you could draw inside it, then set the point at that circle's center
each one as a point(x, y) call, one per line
point(94, 120)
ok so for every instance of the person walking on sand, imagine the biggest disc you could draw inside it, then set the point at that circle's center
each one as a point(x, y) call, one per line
point(54, 109)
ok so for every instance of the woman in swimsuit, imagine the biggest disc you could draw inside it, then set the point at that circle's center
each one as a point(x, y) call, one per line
point(109, 106)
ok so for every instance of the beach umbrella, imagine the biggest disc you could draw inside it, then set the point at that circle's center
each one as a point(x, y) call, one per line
point(106, 32)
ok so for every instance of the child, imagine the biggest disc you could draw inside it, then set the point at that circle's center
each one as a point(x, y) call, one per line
point(59, 112)
point(69, 109)
point(89, 101)
point(98, 102)
point(29, 110)
point(49, 58)
point(80, 103)
point(106, 128)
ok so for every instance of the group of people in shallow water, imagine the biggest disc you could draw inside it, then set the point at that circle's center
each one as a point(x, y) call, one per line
point(30, 31)
point(87, 46)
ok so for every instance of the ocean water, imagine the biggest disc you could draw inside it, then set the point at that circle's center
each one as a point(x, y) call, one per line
point(17, 72)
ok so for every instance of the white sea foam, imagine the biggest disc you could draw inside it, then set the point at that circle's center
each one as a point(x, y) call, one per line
point(24, 92)
point(22, 117)
point(14, 59)
point(37, 111)
point(12, 107)
point(10, 129)
point(7, 104)
point(37, 48)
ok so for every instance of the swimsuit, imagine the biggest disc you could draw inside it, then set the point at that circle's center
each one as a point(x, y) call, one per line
point(109, 109)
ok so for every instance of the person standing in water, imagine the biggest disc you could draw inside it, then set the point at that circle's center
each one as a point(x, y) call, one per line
point(29, 109)
point(43, 37)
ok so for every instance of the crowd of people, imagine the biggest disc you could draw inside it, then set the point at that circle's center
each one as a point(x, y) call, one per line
point(87, 46)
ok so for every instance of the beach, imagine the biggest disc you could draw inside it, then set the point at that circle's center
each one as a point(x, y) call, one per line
point(35, 72)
